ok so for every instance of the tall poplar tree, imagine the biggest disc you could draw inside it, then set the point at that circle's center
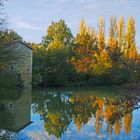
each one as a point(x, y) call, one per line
point(86, 44)
point(112, 39)
point(130, 44)
point(114, 42)
point(121, 33)
point(102, 58)
point(101, 34)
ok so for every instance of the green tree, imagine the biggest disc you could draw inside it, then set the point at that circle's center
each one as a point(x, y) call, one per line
point(58, 32)
point(55, 54)
point(7, 56)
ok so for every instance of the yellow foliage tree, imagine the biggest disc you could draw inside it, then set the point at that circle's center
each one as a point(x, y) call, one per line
point(121, 33)
point(130, 44)
point(101, 55)
point(112, 40)
point(101, 35)
point(84, 49)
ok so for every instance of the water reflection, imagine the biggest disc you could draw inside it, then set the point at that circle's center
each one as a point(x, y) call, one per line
point(15, 113)
point(59, 109)
point(69, 114)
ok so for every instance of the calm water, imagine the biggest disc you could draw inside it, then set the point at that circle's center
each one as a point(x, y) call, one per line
point(71, 114)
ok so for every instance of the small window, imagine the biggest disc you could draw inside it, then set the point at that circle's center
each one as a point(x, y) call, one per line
point(11, 105)
point(12, 67)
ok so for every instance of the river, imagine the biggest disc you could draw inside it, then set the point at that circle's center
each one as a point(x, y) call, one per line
point(104, 113)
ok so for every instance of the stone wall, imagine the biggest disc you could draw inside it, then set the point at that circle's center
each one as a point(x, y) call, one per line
point(24, 63)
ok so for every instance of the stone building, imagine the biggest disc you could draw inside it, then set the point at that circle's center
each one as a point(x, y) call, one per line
point(16, 114)
point(23, 65)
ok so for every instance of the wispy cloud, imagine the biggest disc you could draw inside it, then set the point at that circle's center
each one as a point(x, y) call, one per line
point(19, 23)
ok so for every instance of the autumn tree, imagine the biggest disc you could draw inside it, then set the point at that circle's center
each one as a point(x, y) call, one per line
point(112, 45)
point(84, 48)
point(89, 58)
point(130, 44)
point(121, 33)
point(103, 61)
point(101, 34)
point(130, 51)
point(112, 40)
point(115, 41)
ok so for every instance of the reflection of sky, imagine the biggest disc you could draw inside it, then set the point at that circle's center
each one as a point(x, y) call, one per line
point(36, 131)
point(30, 18)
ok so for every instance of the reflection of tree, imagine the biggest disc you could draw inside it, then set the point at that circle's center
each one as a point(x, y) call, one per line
point(118, 126)
point(56, 123)
point(59, 109)
point(82, 109)
point(55, 111)
point(99, 115)
point(109, 128)
point(127, 122)
point(110, 108)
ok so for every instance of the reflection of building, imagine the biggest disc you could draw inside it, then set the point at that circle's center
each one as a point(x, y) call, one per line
point(16, 114)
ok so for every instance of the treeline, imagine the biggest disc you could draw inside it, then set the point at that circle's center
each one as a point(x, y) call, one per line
point(88, 58)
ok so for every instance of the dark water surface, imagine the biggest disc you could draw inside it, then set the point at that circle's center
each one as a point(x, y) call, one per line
point(105, 113)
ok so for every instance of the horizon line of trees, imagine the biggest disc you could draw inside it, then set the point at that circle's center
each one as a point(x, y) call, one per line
point(88, 58)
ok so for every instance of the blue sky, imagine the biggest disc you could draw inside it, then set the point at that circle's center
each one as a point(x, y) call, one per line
point(30, 18)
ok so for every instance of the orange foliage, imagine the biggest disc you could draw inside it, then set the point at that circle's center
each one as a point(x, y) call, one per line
point(127, 122)
point(118, 126)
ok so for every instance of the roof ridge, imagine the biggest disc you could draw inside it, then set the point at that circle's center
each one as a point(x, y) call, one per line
point(22, 42)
